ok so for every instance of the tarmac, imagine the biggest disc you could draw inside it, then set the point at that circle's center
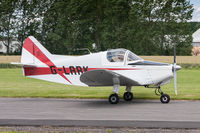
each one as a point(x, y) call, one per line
point(99, 113)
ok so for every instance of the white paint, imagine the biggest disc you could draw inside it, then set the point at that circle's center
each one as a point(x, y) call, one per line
point(142, 74)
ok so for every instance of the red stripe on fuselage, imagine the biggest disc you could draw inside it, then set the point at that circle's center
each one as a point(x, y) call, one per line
point(30, 71)
point(35, 51)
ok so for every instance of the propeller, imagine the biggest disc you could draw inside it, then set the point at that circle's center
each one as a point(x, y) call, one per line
point(175, 73)
point(175, 68)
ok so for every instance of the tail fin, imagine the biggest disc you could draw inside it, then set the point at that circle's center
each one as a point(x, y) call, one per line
point(37, 62)
point(31, 50)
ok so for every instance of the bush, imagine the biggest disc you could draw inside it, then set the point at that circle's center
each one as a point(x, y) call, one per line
point(6, 65)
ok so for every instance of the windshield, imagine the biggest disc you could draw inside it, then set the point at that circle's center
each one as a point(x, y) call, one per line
point(133, 57)
point(116, 55)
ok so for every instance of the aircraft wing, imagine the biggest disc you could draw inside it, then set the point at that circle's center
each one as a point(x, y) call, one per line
point(103, 77)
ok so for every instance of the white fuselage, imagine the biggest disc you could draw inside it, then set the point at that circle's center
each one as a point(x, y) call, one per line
point(114, 67)
point(74, 66)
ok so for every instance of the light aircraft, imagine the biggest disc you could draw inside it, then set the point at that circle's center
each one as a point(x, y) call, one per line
point(114, 67)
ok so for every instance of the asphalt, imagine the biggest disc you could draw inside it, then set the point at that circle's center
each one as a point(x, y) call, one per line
point(99, 113)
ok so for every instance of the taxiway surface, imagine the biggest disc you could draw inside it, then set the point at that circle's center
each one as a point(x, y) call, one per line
point(96, 112)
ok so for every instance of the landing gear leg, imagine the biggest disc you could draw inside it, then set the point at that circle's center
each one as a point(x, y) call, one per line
point(128, 96)
point(164, 98)
point(114, 98)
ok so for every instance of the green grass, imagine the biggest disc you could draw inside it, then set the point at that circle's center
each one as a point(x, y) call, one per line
point(13, 84)
point(8, 65)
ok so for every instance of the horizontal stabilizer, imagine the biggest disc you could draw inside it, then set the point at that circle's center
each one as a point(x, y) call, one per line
point(23, 64)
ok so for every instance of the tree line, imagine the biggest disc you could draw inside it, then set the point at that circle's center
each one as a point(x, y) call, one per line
point(146, 27)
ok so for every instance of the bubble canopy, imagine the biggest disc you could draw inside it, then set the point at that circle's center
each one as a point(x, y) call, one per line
point(120, 55)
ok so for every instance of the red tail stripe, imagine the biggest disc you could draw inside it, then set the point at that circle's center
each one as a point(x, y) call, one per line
point(36, 71)
point(35, 51)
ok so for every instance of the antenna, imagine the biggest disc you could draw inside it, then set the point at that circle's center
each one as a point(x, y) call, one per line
point(84, 49)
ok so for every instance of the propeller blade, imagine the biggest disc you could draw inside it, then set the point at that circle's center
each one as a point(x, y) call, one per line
point(175, 73)
point(175, 79)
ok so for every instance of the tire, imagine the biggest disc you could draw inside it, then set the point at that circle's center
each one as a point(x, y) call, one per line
point(114, 98)
point(165, 98)
point(128, 96)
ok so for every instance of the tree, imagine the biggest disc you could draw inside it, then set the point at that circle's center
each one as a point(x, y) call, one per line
point(7, 23)
point(146, 27)
point(69, 25)
point(158, 23)
point(29, 19)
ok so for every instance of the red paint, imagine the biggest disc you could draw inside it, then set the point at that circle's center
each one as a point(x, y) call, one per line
point(35, 51)
point(30, 71)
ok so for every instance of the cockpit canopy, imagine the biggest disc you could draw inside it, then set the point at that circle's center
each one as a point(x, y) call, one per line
point(133, 57)
point(116, 55)
point(119, 55)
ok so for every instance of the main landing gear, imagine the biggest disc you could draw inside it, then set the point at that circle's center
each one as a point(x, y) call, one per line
point(128, 96)
point(164, 98)
point(114, 98)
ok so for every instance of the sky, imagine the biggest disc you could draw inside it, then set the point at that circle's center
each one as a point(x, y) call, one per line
point(196, 12)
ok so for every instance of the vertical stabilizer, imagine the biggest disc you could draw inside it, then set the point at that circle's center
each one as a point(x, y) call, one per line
point(31, 50)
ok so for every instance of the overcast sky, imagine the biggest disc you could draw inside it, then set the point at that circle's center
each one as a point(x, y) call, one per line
point(196, 13)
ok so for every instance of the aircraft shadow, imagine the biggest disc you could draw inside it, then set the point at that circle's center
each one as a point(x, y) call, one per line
point(105, 103)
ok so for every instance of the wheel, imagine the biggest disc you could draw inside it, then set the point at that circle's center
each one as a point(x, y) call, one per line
point(165, 98)
point(114, 98)
point(128, 96)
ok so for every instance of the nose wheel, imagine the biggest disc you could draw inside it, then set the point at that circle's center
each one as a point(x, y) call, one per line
point(164, 98)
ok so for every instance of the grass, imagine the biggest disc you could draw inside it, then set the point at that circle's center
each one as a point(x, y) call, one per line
point(13, 84)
